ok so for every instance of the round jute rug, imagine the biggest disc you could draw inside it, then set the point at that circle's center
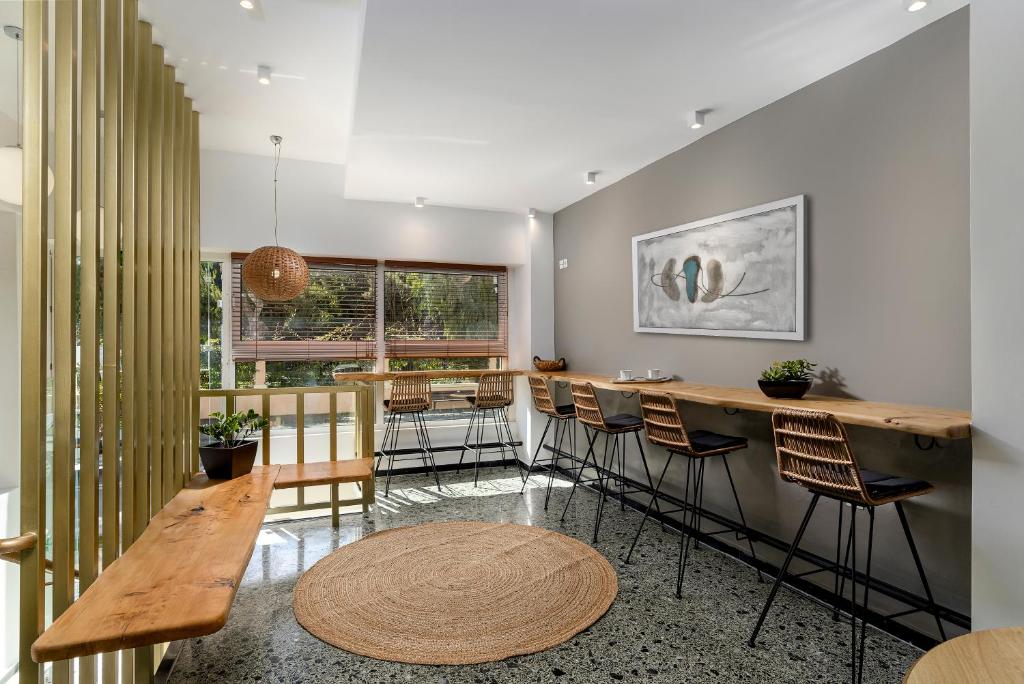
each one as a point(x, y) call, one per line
point(455, 593)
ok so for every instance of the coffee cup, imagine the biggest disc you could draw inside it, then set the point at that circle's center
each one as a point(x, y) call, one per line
point(653, 373)
point(626, 374)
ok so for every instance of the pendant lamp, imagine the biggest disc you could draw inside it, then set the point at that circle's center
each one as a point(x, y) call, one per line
point(275, 274)
point(10, 155)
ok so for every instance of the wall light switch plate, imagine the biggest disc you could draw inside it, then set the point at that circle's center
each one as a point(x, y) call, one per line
point(563, 263)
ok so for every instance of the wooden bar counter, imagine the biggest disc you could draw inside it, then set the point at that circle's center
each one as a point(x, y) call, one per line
point(926, 421)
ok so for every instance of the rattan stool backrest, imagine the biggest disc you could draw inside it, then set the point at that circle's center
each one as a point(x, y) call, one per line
point(813, 449)
point(541, 394)
point(494, 390)
point(409, 393)
point(588, 410)
point(663, 422)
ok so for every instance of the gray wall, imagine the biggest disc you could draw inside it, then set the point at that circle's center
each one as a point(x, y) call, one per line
point(881, 151)
point(997, 241)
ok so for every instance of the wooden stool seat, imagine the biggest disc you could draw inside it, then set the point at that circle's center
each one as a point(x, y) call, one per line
point(324, 473)
point(992, 656)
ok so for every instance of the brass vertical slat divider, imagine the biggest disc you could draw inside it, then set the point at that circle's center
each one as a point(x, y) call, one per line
point(179, 319)
point(156, 278)
point(124, 272)
point(88, 220)
point(193, 207)
point(167, 393)
point(34, 325)
point(365, 416)
point(300, 440)
point(65, 202)
point(332, 422)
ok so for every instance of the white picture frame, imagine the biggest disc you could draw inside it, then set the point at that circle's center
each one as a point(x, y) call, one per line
point(779, 225)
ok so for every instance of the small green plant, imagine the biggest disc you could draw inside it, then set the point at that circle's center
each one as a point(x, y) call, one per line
point(793, 371)
point(233, 430)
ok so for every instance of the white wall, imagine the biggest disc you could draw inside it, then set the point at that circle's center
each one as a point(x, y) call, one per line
point(316, 219)
point(997, 318)
point(10, 455)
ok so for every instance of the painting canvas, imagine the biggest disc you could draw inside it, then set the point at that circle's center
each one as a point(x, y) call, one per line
point(738, 275)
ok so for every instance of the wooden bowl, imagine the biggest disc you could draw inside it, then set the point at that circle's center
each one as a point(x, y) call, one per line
point(548, 365)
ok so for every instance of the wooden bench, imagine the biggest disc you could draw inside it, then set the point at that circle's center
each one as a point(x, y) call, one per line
point(178, 579)
point(330, 473)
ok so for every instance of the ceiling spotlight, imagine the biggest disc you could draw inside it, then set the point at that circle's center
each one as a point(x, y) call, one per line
point(420, 202)
point(531, 213)
point(263, 74)
point(696, 119)
point(915, 5)
point(591, 177)
point(246, 4)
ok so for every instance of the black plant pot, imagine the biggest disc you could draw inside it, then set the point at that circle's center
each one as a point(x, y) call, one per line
point(784, 389)
point(225, 463)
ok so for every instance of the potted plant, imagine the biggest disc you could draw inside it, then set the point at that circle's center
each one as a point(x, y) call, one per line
point(786, 379)
point(232, 453)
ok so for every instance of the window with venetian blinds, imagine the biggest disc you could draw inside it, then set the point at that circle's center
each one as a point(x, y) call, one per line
point(429, 310)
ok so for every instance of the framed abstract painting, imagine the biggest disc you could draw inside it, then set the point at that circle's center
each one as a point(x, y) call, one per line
point(740, 274)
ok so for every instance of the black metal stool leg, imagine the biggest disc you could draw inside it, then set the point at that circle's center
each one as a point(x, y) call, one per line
point(511, 442)
point(846, 570)
point(465, 443)
point(867, 589)
point(853, 595)
point(559, 437)
point(647, 471)
point(421, 442)
point(698, 499)
point(621, 451)
point(480, 423)
point(743, 520)
point(579, 473)
point(698, 489)
point(391, 455)
point(920, 568)
point(839, 551)
point(536, 452)
point(429, 449)
point(498, 436)
point(650, 504)
point(785, 567)
point(684, 538)
point(384, 443)
point(604, 488)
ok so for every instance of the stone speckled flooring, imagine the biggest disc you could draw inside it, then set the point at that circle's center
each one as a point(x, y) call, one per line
point(647, 636)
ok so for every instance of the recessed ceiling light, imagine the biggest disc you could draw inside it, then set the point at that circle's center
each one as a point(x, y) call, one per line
point(696, 119)
point(263, 74)
point(591, 177)
point(246, 4)
point(420, 202)
point(531, 213)
point(914, 5)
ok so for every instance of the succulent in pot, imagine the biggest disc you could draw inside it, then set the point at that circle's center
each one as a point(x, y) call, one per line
point(232, 453)
point(787, 379)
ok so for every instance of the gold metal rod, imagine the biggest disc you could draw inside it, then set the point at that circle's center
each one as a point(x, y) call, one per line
point(111, 266)
point(179, 298)
point(300, 438)
point(189, 345)
point(129, 100)
point(194, 229)
point(35, 276)
point(332, 422)
point(266, 431)
point(88, 293)
point(156, 279)
point(167, 388)
point(143, 135)
point(65, 202)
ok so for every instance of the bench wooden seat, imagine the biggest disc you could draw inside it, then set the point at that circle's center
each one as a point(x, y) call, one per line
point(324, 472)
point(177, 580)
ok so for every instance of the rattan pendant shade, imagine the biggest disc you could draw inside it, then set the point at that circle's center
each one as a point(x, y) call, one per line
point(275, 273)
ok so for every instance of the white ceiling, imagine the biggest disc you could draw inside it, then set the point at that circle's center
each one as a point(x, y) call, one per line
point(498, 104)
point(312, 47)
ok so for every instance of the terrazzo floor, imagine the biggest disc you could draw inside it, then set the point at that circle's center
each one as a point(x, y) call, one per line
point(647, 636)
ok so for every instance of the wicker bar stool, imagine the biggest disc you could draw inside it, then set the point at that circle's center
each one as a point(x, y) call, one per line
point(494, 394)
point(564, 418)
point(410, 397)
point(664, 425)
point(615, 430)
point(813, 450)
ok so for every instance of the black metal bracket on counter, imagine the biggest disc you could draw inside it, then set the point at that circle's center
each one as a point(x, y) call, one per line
point(627, 395)
point(730, 411)
point(932, 443)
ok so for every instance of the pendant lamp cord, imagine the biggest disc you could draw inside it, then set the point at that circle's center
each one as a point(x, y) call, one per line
point(277, 162)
